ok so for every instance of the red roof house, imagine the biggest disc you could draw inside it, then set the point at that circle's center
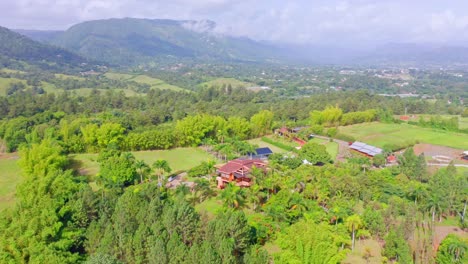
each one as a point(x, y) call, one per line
point(238, 171)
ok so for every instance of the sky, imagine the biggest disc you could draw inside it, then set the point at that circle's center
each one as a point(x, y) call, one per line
point(292, 21)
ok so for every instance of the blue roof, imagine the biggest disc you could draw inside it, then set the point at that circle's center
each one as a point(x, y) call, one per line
point(263, 151)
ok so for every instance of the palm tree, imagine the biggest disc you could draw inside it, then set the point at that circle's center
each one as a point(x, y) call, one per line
point(161, 166)
point(353, 223)
point(457, 248)
point(142, 169)
point(233, 196)
point(202, 189)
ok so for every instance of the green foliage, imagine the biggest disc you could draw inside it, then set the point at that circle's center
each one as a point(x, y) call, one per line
point(308, 242)
point(396, 248)
point(262, 123)
point(52, 214)
point(119, 169)
point(453, 249)
point(315, 153)
point(414, 167)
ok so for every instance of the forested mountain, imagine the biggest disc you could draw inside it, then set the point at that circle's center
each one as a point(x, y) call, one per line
point(131, 41)
point(15, 50)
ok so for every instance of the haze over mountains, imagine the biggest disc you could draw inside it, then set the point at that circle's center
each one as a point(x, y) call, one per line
point(131, 42)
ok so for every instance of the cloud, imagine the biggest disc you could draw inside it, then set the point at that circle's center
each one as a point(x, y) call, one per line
point(333, 22)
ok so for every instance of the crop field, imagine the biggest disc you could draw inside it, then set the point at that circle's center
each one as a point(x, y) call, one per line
point(10, 176)
point(178, 159)
point(380, 134)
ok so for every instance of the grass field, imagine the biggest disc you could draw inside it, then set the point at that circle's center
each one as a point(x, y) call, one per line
point(462, 121)
point(9, 178)
point(5, 84)
point(380, 134)
point(178, 159)
point(219, 82)
point(153, 82)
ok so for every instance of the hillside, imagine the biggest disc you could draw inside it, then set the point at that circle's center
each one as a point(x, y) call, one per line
point(17, 50)
point(132, 41)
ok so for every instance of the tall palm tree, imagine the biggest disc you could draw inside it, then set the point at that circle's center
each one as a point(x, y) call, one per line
point(353, 223)
point(161, 166)
point(142, 169)
point(233, 196)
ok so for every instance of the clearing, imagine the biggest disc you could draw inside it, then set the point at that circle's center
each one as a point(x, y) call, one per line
point(153, 82)
point(9, 178)
point(220, 82)
point(179, 159)
point(380, 134)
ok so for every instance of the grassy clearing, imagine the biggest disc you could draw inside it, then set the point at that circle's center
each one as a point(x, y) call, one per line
point(179, 159)
point(153, 82)
point(263, 144)
point(356, 257)
point(5, 84)
point(380, 134)
point(220, 82)
point(9, 178)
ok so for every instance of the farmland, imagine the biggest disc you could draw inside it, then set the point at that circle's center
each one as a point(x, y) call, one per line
point(219, 82)
point(380, 134)
point(153, 82)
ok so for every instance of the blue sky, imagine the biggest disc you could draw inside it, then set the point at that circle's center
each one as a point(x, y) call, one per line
point(358, 22)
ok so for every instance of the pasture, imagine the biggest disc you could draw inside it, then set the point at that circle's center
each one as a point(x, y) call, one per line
point(153, 82)
point(179, 159)
point(10, 176)
point(380, 135)
point(220, 82)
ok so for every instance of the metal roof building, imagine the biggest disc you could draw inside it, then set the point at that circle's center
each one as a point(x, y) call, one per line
point(366, 149)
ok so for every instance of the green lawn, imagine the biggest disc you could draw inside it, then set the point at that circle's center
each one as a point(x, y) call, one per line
point(219, 82)
point(210, 207)
point(179, 159)
point(332, 147)
point(9, 178)
point(380, 134)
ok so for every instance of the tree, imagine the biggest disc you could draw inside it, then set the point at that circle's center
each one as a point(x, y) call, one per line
point(453, 249)
point(233, 196)
point(353, 223)
point(315, 153)
point(161, 166)
point(396, 247)
point(118, 170)
point(261, 123)
point(310, 243)
point(143, 169)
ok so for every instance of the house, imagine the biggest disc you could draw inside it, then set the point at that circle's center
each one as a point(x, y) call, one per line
point(238, 171)
point(363, 148)
point(261, 153)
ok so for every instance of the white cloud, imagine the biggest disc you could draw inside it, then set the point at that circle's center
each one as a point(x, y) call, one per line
point(304, 21)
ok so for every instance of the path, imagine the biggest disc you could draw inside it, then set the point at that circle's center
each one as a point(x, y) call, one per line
point(343, 148)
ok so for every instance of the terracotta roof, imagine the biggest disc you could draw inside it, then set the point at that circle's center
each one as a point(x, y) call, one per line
point(239, 165)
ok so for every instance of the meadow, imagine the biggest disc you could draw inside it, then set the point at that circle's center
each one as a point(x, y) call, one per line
point(179, 159)
point(153, 82)
point(380, 134)
point(220, 82)
point(10, 176)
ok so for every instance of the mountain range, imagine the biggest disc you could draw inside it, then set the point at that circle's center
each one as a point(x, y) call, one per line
point(133, 42)
point(16, 49)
